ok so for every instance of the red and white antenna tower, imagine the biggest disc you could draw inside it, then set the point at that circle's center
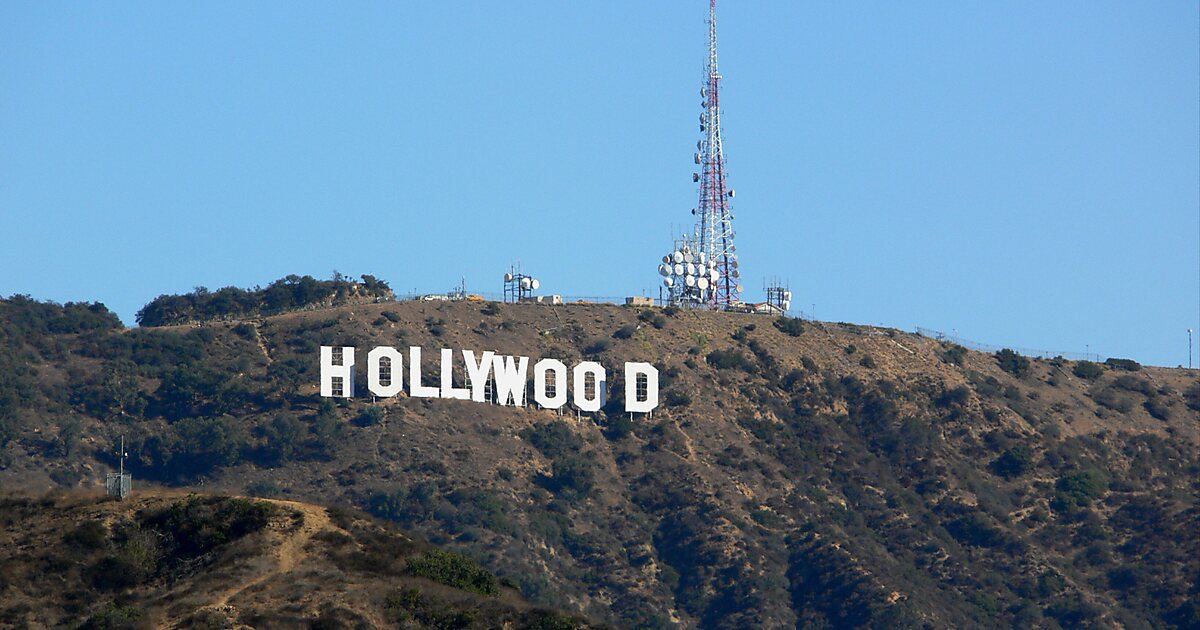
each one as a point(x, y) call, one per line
point(715, 221)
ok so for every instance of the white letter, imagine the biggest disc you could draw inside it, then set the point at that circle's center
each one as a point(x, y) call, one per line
point(396, 363)
point(632, 372)
point(510, 379)
point(477, 373)
point(580, 379)
point(448, 388)
point(415, 388)
point(560, 383)
point(329, 371)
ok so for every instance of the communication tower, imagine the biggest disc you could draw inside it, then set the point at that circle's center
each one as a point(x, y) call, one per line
point(779, 296)
point(518, 287)
point(714, 220)
point(119, 485)
point(710, 276)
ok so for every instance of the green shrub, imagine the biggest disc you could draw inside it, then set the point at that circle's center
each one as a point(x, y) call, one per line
point(625, 332)
point(953, 353)
point(597, 347)
point(867, 362)
point(1013, 363)
point(491, 309)
point(1087, 369)
point(1129, 365)
point(454, 570)
point(1078, 490)
point(1014, 462)
point(553, 438)
point(264, 489)
point(791, 326)
point(1157, 409)
point(676, 398)
point(370, 416)
point(729, 359)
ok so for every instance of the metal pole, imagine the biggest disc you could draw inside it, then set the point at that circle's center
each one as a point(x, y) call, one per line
point(1189, 348)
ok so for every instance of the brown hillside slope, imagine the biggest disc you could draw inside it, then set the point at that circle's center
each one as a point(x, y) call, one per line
point(169, 560)
point(846, 476)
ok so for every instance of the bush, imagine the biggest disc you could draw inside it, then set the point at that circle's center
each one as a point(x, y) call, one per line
point(370, 416)
point(1087, 369)
point(1014, 462)
point(867, 362)
point(553, 438)
point(1157, 409)
point(1129, 365)
point(1078, 490)
point(454, 570)
point(625, 332)
point(264, 489)
point(391, 316)
point(676, 398)
point(729, 359)
point(1013, 363)
point(491, 309)
point(791, 326)
point(597, 347)
point(953, 354)
point(572, 477)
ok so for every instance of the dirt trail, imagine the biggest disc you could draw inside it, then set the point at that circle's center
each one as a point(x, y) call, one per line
point(262, 344)
point(287, 555)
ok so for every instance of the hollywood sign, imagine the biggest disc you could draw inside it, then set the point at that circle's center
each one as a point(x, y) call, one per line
point(505, 375)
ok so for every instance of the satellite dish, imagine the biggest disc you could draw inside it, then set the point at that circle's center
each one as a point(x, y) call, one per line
point(697, 158)
point(696, 176)
point(678, 269)
point(714, 274)
point(737, 274)
point(664, 270)
point(525, 283)
point(702, 282)
point(703, 104)
point(693, 211)
point(690, 280)
point(740, 288)
point(535, 283)
point(703, 256)
point(787, 296)
point(691, 269)
point(697, 145)
point(689, 258)
point(731, 193)
point(669, 282)
point(677, 256)
point(667, 258)
point(508, 277)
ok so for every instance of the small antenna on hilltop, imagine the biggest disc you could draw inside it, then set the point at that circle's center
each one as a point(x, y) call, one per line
point(119, 484)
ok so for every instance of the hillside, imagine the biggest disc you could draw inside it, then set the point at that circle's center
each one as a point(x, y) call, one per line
point(826, 476)
point(169, 560)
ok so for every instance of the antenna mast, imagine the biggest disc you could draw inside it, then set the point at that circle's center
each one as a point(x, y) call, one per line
point(715, 221)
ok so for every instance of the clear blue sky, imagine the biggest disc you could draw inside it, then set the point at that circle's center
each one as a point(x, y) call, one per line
point(1026, 173)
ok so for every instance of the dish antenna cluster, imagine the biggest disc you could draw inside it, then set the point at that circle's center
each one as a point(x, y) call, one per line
point(689, 276)
point(518, 286)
